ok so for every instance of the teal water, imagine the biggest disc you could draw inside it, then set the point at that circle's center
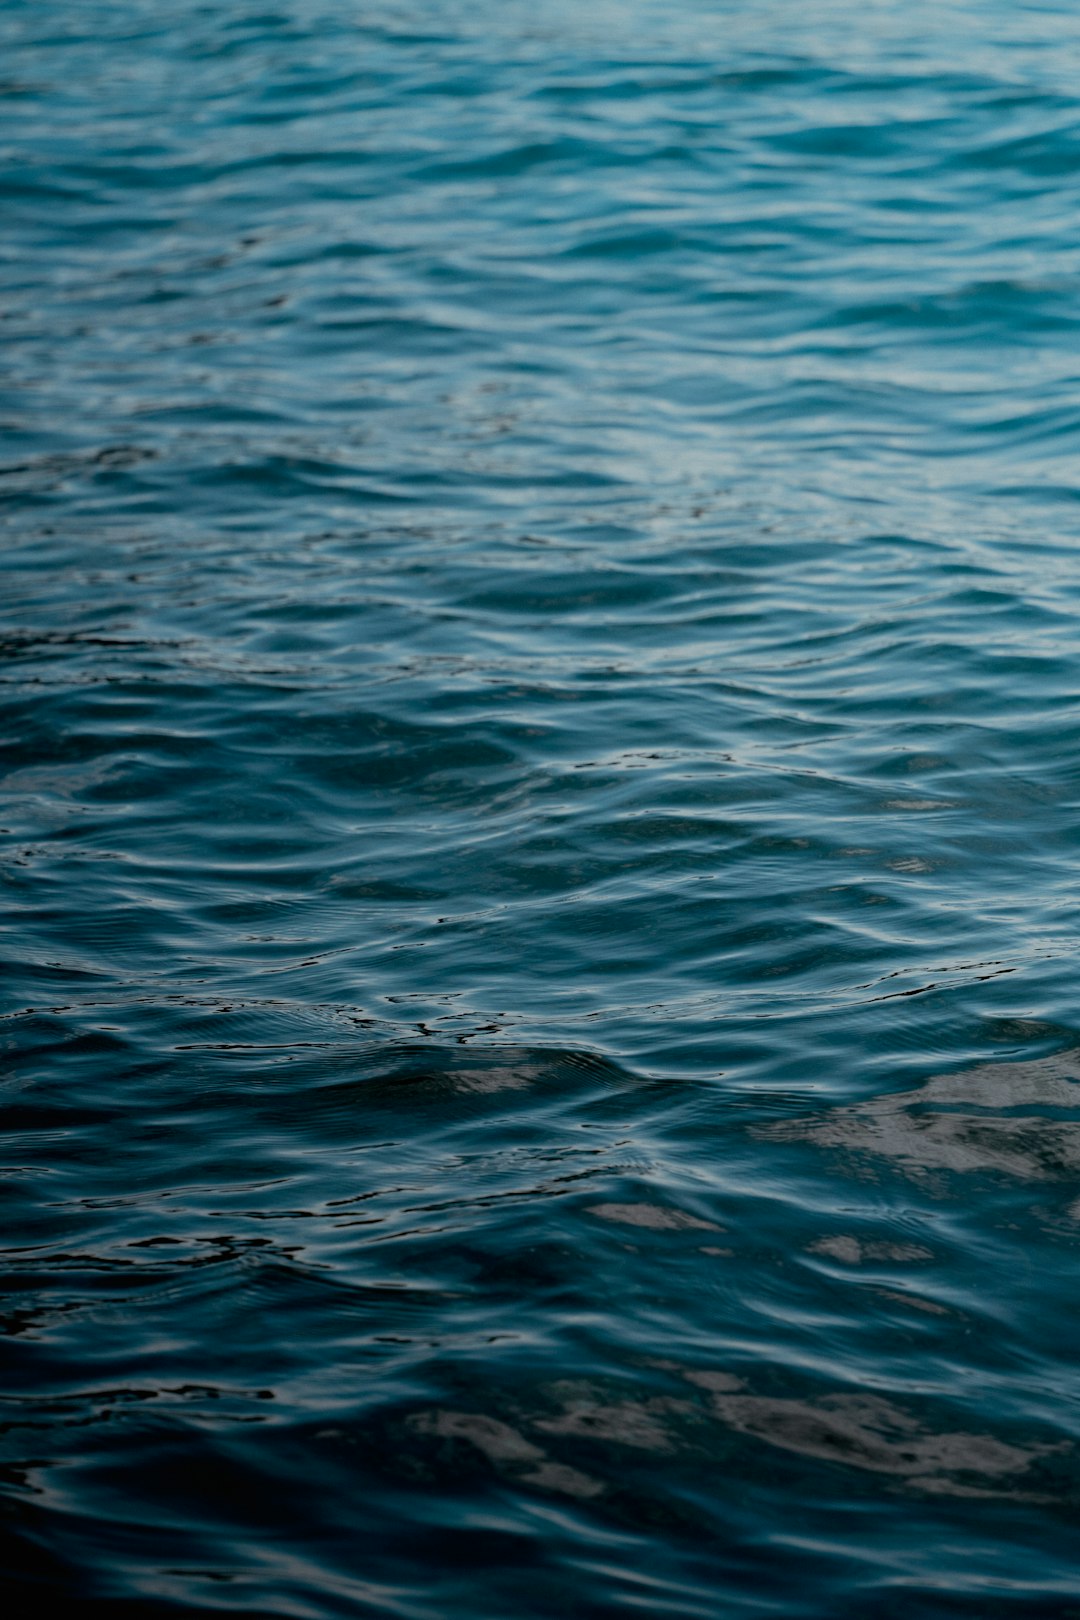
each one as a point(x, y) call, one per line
point(540, 720)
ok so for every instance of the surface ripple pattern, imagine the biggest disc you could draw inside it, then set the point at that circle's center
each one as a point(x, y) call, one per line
point(539, 729)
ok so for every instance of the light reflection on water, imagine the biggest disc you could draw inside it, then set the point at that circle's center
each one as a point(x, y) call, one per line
point(537, 827)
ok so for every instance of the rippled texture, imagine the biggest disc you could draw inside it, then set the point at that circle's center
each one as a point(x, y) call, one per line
point(540, 719)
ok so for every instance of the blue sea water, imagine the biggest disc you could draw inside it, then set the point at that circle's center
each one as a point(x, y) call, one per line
point(541, 745)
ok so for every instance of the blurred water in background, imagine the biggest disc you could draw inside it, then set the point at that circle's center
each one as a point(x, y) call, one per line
point(541, 1068)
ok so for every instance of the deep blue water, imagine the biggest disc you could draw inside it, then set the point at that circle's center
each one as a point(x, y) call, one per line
point(541, 746)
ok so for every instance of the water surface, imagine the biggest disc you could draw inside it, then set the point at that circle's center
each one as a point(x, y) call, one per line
point(541, 1058)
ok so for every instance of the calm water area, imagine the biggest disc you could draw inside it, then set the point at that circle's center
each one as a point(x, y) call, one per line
point(540, 809)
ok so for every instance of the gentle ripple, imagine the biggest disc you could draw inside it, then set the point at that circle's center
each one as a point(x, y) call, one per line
point(540, 730)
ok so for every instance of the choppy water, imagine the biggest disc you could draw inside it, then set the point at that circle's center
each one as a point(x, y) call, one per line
point(540, 722)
